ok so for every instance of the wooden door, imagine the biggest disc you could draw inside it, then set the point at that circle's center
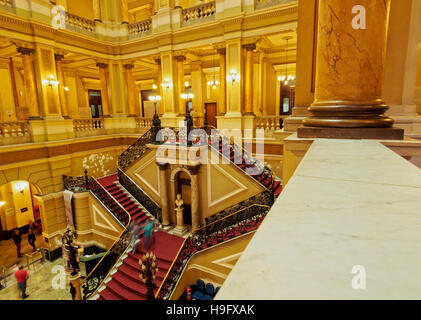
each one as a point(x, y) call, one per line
point(211, 114)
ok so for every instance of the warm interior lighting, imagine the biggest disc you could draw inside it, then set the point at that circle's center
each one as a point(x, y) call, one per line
point(186, 84)
point(66, 88)
point(186, 96)
point(233, 76)
point(50, 81)
point(155, 98)
point(154, 86)
point(166, 84)
point(20, 186)
point(2, 203)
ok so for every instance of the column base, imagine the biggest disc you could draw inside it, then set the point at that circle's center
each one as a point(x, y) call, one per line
point(180, 230)
point(351, 133)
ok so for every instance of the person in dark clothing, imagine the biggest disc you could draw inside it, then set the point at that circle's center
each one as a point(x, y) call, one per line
point(17, 239)
point(31, 238)
point(72, 291)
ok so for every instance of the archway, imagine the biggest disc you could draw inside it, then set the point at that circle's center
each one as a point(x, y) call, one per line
point(19, 210)
point(183, 187)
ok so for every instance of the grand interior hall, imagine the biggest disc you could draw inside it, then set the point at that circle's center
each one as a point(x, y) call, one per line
point(210, 150)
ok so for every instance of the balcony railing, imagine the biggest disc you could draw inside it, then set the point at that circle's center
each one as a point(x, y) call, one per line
point(199, 14)
point(140, 29)
point(143, 122)
point(261, 4)
point(7, 5)
point(269, 124)
point(80, 23)
point(14, 132)
point(88, 127)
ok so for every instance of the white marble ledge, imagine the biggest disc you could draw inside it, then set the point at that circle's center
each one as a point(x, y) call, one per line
point(327, 221)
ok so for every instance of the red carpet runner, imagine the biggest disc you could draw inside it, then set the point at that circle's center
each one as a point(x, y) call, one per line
point(125, 283)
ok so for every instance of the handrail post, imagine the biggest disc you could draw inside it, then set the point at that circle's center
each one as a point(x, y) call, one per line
point(86, 179)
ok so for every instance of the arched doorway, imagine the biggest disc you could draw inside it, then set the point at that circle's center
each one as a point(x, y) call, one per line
point(19, 208)
point(183, 187)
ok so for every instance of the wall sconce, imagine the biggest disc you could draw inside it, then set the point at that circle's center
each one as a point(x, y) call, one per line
point(186, 84)
point(187, 96)
point(20, 187)
point(154, 87)
point(66, 89)
point(50, 82)
point(166, 84)
point(233, 76)
point(2, 203)
point(213, 83)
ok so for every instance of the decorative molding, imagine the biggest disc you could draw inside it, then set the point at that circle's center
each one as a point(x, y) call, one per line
point(96, 212)
point(137, 173)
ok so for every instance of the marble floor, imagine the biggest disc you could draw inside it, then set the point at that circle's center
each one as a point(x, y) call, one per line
point(39, 284)
point(8, 255)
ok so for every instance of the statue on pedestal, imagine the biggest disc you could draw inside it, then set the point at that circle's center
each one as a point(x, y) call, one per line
point(180, 229)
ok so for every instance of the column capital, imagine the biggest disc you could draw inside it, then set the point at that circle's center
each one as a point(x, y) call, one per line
point(196, 65)
point(128, 66)
point(180, 58)
point(250, 46)
point(162, 166)
point(25, 51)
point(194, 170)
point(58, 56)
point(102, 65)
point(222, 51)
point(157, 60)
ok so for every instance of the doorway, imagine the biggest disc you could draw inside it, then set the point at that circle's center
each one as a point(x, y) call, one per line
point(183, 187)
point(210, 114)
point(287, 99)
point(95, 102)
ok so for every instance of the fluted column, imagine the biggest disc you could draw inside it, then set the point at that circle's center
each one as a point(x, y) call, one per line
point(131, 90)
point(197, 88)
point(62, 92)
point(104, 89)
point(195, 199)
point(30, 84)
point(124, 12)
point(163, 189)
point(349, 72)
point(180, 84)
point(248, 83)
point(223, 81)
point(97, 10)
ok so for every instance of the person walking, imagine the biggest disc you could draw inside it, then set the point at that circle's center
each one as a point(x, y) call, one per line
point(32, 238)
point(21, 276)
point(134, 230)
point(17, 239)
point(148, 227)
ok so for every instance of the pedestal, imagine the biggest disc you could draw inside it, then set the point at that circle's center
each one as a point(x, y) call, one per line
point(351, 133)
point(75, 280)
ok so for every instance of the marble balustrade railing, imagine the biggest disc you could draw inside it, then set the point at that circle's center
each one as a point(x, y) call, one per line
point(268, 123)
point(6, 3)
point(200, 13)
point(140, 28)
point(86, 125)
point(143, 122)
point(14, 129)
point(261, 4)
point(79, 22)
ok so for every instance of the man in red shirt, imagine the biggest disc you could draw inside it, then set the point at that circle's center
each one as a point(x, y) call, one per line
point(21, 276)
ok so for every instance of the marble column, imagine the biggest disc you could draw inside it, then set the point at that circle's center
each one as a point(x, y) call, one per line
point(97, 10)
point(131, 90)
point(163, 189)
point(223, 81)
point(159, 81)
point(30, 84)
point(180, 84)
point(104, 89)
point(195, 199)
point(349, 73)
point(197, 88)
point(62, 92)
point(124, 12)
point(248, 84)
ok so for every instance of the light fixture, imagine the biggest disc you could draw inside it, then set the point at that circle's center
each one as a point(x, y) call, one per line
point(233, 76)
point(51, 81)
point(66, 88)
point(155, 98)
point(20, 186)
point(166, 84)
point(2, 203)
point(286, 78)
point(187, 96)
point(154, 87)
point(186, 84)
point(213, 83)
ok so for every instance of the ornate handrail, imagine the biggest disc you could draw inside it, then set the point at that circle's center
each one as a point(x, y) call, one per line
point(199, 13)
point(80, 125)
point(143, 122)
point(15, 129)
point(202, 239)
point(94, 279)
point(149, 204)
point(77, 184)
point(140, 28)
point(79, 22)
point(135, 151)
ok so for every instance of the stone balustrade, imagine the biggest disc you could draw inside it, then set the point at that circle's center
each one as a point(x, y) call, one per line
point(79, 22)
point(6, 3)
point(143, 122)
point(200, 13)
point(140, 28)
point(268, 123)
point(13, 132)
point(88, 127)
point(261, 4)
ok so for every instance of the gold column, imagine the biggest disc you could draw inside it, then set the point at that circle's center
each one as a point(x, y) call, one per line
point(248, 84)
point(223, 81)
point(62, 92)
point(30, 85)
point(97, 10)
point(163, 190)
point(104, 89)
point(159, 87)
point(195, 199)
point(197, 88)
point(131, 90)
point(349, 72)
point(124, 12)
point(180, 84)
